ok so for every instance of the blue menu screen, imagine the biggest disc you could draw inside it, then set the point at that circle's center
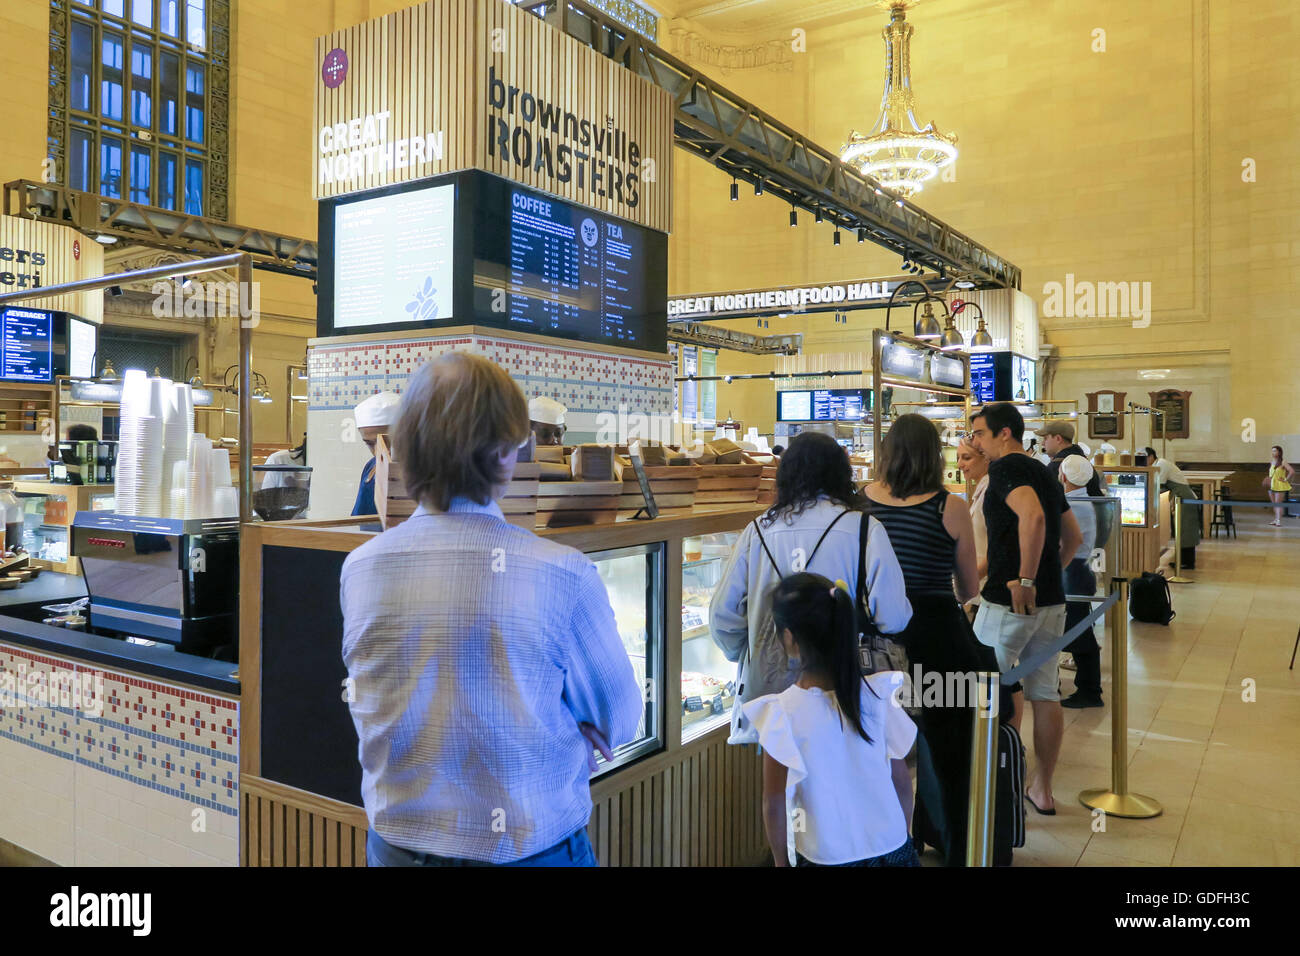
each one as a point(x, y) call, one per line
point(549, 267)
point(983, 377)
point(26, 345)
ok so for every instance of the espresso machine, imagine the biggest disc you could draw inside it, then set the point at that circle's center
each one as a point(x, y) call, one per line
point(165, 579)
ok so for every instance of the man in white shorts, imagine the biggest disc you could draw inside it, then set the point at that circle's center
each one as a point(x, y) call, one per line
point(1022, 606)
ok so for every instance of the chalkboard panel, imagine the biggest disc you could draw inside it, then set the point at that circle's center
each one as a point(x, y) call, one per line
point(308, 740)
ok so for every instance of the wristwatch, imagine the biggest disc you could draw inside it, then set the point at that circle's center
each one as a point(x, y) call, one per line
point(1027, 582)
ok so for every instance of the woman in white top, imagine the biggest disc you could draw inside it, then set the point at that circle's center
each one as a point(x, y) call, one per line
point(831, 740)
point(814, 525)
point(975, 467)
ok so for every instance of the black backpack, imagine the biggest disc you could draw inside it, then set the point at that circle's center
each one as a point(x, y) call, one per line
point(1149, 599)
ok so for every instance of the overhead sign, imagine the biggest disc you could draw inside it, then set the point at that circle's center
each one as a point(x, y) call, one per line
point(787, 298)
point(36, 254)
point(458, 84)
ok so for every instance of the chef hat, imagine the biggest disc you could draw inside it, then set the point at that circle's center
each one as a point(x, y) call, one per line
point(546, 411)
point(1077, 470)
point(378, 411)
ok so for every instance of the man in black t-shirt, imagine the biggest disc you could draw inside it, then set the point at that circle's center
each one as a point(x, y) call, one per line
point(1022, 607)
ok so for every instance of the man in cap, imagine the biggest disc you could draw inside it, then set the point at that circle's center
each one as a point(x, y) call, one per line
point(546, 417)
point(1058, 441)
point(374, 417)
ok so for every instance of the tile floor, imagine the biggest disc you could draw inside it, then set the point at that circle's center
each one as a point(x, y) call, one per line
point(1226, 770)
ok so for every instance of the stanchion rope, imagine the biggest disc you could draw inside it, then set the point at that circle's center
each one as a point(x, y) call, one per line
point(1058, 645)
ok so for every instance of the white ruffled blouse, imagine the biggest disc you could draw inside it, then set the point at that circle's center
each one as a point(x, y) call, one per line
point(840, 799)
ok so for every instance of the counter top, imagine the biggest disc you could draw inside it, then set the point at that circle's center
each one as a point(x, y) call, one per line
point(160, 660)
point(50, 587)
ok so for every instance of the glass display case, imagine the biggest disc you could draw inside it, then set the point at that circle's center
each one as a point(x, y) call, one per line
point(48, 510)
point(1134, 487)
point(634, 579)
point(708, 679)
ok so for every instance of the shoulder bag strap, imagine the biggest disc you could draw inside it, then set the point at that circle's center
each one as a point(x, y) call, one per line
point(761, 540)
point(862, 593)
point(823, 537)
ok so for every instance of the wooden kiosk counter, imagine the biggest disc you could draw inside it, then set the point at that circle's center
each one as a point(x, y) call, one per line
point(676, 796)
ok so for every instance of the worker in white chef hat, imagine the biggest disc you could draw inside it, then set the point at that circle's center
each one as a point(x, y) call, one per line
point(546, 416)
point(374, 417)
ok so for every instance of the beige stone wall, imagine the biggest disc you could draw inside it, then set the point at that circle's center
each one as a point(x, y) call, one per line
point(1122, 166)
point(1115, 166)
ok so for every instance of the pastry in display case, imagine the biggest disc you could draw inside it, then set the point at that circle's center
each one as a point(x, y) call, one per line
point(708, 678)
point(633, 580)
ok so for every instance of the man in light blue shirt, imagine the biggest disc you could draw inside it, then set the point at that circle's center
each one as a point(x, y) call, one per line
point(485, 662)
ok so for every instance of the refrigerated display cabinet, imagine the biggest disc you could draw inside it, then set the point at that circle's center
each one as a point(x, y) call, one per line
point(708, 679)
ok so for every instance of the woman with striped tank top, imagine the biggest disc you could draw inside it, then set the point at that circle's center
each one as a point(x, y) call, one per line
point(935, 544)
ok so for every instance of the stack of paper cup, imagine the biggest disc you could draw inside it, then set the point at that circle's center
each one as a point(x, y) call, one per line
point(221, 468)
point(135, 393)
point(226, 504)
point(199, 481)
point(179, 495)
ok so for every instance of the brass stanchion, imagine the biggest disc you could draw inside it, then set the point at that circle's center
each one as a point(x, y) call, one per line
point(1117, 801)
point(983, 770)
point(1176, 512)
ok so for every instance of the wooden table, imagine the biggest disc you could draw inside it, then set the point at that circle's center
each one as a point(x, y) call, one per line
point(1208, 482)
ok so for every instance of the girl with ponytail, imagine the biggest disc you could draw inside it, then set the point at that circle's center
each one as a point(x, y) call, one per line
point(833, 742)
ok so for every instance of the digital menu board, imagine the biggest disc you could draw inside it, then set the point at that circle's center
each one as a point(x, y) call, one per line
point(547, 266)
point(393, 258)
point(983, 377)
point(471, 248)
point(26, 345)
point(794, 406)
point(822, 405)
point(83, 341)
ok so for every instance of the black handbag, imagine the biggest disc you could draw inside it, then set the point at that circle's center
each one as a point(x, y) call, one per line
point(878, 652)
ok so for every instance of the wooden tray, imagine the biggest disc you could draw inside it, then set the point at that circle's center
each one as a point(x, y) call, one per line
point(566, 503)
point(519, 503)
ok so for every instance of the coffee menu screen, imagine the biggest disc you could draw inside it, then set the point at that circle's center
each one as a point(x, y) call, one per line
point(26, 345)
point(549, 267)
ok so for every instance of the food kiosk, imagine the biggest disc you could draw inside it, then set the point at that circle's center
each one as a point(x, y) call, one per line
point(1143, 513)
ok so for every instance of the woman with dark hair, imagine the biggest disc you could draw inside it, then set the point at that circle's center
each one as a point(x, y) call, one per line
point(935, 544)
point(829, 738)
point(814, 525)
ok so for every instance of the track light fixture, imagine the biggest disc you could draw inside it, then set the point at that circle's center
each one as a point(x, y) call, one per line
point(758, 188)
point(819, 214)
point(794, 217)
point(735, 190)
point(837, 237)
point(862, 235)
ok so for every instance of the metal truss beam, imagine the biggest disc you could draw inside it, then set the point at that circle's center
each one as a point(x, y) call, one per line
point(159, 228)
point(714, 337)
point(749, 144)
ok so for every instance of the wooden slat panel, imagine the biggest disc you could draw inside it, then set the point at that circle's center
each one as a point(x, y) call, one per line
point(428, 67)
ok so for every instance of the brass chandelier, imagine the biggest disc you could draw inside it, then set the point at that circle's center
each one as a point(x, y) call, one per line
point(900, 154)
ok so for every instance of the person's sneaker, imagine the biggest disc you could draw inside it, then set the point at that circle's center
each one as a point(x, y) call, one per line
point(1079, 700)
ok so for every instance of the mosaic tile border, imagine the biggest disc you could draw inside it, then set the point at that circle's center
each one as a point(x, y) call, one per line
point(586, 381)
point(180, 742)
